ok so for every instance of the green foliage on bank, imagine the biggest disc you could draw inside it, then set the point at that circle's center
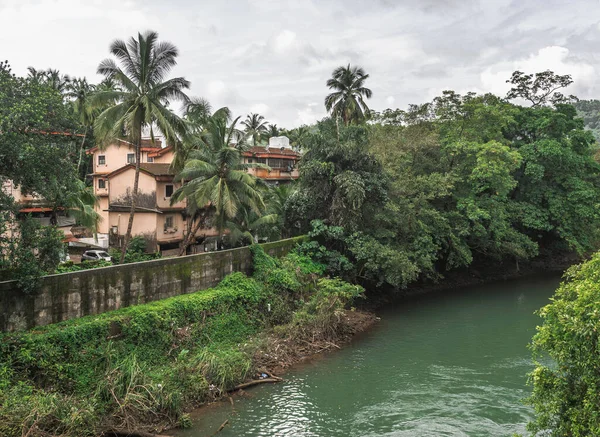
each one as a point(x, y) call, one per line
point(148, 363)
point(466, 178)
point(566, 378)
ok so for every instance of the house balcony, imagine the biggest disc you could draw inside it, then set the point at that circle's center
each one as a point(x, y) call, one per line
point(274, 174)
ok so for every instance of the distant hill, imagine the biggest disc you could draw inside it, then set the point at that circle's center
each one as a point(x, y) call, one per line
point(589, 110)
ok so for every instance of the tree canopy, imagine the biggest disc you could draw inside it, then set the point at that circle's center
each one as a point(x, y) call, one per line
point(565, 388)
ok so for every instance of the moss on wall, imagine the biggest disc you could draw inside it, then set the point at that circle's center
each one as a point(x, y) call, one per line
point(88, 292)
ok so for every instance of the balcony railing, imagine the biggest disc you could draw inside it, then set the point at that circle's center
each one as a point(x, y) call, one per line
point(274, 173)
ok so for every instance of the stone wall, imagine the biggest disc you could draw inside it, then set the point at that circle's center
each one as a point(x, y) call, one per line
point(71, 295)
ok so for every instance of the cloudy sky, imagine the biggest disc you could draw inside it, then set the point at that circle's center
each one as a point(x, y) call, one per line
point(274, 56)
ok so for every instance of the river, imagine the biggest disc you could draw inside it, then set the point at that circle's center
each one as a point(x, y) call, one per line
point(451, 363)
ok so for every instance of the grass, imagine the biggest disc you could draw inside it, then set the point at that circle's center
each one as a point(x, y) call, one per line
point(144, 366)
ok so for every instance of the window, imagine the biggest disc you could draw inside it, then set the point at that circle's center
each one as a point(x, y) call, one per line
point(275, 163)
point(168, 190)
point(101, 160)
point(261, 160)
point(150, 159)
point(131, 158)
point(168, 221)
point(101, 183)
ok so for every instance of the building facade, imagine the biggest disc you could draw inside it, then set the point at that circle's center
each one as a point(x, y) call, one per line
point(162, 224)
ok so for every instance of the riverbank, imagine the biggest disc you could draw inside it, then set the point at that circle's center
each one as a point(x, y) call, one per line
point(479, 273)
point(442, 363)
point(143, 367)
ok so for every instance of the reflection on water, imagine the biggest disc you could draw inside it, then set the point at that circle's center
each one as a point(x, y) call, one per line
point(449, 364)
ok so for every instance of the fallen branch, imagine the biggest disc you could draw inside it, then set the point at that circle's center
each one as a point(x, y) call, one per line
point(223, 425)
point(256, 382)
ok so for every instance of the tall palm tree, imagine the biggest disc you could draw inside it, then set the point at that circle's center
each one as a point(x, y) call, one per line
point(218, 176)
point(348, 99)
point(58, 81)
point(297, 136)
point(50, 77)
point(80, 92)
point(247, 226)
point(272, 131)
point(36, 75)
point(80, 203)
point(276, 200)
point(255, 127)
point(141, 101)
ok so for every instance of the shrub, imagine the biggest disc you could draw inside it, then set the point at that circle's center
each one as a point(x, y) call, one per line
point(565, 391)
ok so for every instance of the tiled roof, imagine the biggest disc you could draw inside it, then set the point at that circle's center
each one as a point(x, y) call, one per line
point(153, 169)
point(160, 152)
point(157, 169)
point(147, 145)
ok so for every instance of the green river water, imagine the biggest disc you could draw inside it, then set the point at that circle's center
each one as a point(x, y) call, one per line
point(452, 363)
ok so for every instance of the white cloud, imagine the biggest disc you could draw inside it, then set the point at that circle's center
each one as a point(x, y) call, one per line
point(284, 42)
point(260, 108)
point(309, 115)
point(553, 58)
point(279, 53)
point(216, 88)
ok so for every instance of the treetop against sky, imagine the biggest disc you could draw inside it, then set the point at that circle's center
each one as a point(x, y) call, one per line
point(253, 57)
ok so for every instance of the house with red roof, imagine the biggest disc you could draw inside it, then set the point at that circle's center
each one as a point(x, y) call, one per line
point(164, 226)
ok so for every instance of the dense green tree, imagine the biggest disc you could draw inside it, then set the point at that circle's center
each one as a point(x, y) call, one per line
point(539, 89)
point(589, 110)
point(39, 154)
point(462, 179)
point(558, 182)
point(566, 376)
point(343, 181)
point(142, 100)
point(347, 101)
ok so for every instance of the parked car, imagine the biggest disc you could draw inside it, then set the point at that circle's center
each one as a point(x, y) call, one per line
point(95, 255)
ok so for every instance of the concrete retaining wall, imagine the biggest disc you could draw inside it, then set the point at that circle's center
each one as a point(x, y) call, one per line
point(71, 295)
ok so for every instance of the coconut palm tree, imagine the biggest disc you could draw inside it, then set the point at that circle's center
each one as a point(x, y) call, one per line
point(80, 203)
point(80, 92)
point(297, 136)
point(141, 101)
point(50, 77)
point(217, 175)
point(57, 81)
point(347, 101)
point(35, 74)
point(272, 131)
point(255, 127)
point(247, 226)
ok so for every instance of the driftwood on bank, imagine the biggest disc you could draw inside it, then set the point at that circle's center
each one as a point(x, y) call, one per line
point(256, 382)
point(221, 427)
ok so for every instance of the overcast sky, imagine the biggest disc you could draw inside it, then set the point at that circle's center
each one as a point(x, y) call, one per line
point(274, 56)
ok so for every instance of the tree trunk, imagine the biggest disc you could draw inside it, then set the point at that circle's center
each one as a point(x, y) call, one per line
point(191, 234)
point(136, 181)
point(81, 150)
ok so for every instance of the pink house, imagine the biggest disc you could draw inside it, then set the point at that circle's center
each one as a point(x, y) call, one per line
point(163, 225)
